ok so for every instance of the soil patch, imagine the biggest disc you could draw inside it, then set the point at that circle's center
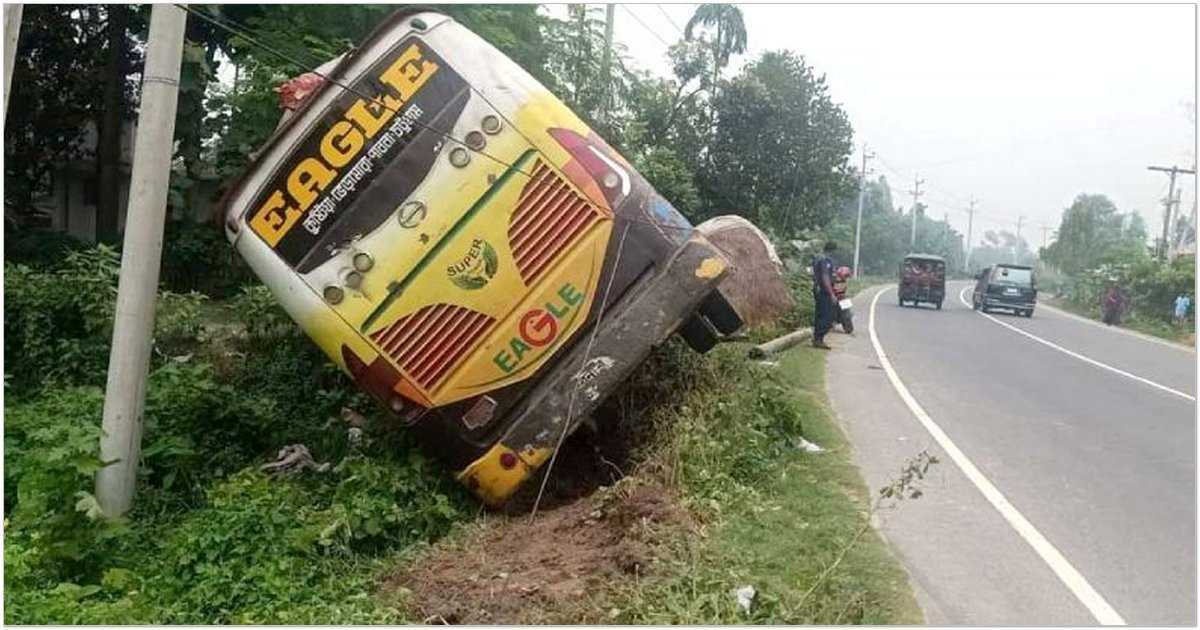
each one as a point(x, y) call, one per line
point(510, 569)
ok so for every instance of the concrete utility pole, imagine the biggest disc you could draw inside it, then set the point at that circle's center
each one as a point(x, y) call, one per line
point(1170, 200)
point(609, 14)
point(1017, 245)
point(916, 193)
point(970, 226)
point(129, 361)
point(12, 32)
point(862, 191)
point(1168, 245)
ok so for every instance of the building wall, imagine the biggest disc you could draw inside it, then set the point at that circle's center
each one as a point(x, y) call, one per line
point(73, 210)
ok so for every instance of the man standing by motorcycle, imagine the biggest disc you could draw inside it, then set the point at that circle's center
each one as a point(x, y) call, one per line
point(824, 298)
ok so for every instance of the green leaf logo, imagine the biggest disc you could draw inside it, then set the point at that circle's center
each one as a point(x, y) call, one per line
point(476, 268)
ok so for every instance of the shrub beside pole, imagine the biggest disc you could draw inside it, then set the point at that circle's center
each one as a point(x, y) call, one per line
point(129, 362)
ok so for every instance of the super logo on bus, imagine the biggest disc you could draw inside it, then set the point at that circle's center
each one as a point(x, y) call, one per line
point(539, 327)
point(355, 129)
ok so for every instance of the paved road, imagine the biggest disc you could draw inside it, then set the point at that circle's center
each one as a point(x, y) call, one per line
point(1100, 465)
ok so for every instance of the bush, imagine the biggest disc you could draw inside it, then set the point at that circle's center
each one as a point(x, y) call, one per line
point(40, 249)
point(1152, 286)
point(197, 257)
point(52, 451)
point(58, 321)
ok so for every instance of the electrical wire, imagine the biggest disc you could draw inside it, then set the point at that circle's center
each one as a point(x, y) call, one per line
point(648, 29)
point(673, 24)
point(587, 354)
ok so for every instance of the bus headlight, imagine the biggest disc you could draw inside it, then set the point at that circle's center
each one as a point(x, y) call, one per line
point(363, 262)
point(334, 294)
point(491, 124)
point(475, 141)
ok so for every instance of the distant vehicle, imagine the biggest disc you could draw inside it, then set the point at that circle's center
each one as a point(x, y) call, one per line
point(844, 308)
point(923, 279)
point(1011, 287)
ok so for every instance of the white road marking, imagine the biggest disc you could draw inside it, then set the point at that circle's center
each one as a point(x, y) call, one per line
point(1051, 344)
point(1119, 330)
point(1101, 610)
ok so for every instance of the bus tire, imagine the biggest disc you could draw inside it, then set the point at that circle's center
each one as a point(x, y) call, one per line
point(698, 334)
point(720, 313)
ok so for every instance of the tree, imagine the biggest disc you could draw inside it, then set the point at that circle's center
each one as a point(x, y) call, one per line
point(730, 39)
point(781, 151)
point(1001, 246)
point(110, 121)
point(1093, 231)
point(597, 92)
point(54, 94)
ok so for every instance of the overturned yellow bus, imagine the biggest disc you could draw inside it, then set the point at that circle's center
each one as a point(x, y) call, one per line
point(467, 249)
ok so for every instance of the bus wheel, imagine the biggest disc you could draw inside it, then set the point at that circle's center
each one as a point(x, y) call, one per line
point(698, 334)
point(720, 313)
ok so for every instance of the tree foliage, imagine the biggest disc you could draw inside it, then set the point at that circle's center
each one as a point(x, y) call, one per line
point(886, 232)
point(1092, 232)
point(781, 146)
point(56, 93)
point(1001, 246)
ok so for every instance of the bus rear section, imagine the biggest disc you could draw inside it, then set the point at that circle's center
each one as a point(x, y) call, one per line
point(467, 249)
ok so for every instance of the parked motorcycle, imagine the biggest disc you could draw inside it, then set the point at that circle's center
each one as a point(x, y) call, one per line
point(843, 312)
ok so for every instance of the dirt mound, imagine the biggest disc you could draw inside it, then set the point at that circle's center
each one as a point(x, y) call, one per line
point(514, 570)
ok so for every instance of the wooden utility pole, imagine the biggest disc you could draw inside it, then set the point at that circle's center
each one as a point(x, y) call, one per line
point(970, 226)
point(1168, 203)
point(916, 194)
point(12, 32)
point(129, 361)
point(862, 189)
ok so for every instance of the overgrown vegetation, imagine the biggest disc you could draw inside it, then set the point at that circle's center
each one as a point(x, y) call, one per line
point(1098, 247)
point(211, 538)
point(793, 524)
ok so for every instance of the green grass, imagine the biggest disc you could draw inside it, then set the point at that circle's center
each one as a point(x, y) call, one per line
point(775, 516)
point(213, 540)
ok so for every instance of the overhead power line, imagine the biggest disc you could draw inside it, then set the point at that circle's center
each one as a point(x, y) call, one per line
point(668, 16)
point(645, 26)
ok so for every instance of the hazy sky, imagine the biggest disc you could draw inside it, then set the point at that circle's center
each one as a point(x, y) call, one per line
point(1021, 106)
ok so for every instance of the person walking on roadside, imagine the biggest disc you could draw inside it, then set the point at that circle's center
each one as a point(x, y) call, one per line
point(823, 295)
point(1182, 302)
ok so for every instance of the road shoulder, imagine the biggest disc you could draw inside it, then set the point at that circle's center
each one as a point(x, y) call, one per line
point(967, 565)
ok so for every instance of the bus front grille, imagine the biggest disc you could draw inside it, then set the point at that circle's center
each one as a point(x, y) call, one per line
point(429, 343)
point(549, 217)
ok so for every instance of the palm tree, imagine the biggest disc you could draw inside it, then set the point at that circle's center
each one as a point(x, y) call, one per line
point(731, 39)
point(731, 31)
